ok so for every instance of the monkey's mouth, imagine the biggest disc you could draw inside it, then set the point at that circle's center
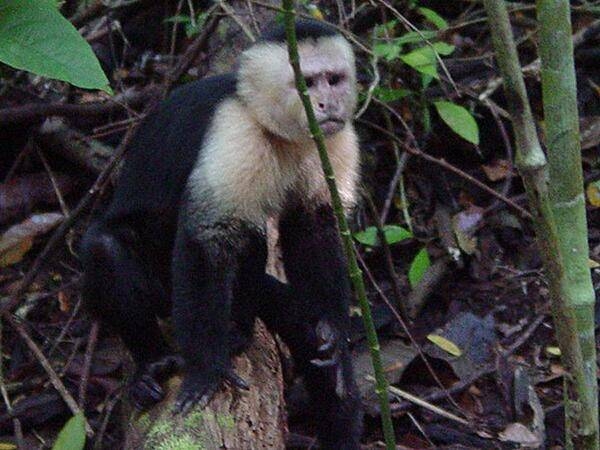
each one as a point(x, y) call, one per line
point(331, 125)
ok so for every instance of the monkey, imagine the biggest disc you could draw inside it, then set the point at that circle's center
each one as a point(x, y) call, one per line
point(184, 233)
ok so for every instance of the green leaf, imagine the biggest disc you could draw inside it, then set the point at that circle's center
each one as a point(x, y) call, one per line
point(445, 344)
point(433, 17)
point(393, 234)
point(443, 48)
point(35, 37)
point(553, 351)
point(412, 37)
point(418, 267)
point(422, 60)
point(390, 95)
point(459, 119)
point(387, 50)
point(385, 28)
point(72, 436)
point(178, 19)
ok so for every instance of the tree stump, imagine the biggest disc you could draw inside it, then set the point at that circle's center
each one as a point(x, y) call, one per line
point(234, 419)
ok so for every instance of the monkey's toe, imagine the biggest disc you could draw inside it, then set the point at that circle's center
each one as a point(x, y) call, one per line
point(145, 392)
point(164, 367)
point(190, 397)
point(198, 390)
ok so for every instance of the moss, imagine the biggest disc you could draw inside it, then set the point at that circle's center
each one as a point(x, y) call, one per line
point(179, 442)
point(225, 421)
point(194, 419)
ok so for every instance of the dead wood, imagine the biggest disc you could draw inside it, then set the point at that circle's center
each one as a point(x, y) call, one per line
point(234, 419)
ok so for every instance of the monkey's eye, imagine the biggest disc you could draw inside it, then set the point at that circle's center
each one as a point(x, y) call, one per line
point(334, 79)
point(309, 81)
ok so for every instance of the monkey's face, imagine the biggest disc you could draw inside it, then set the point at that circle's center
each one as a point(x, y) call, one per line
point(266, 85)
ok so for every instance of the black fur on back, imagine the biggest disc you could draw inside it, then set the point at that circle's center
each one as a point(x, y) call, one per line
point(305, 29)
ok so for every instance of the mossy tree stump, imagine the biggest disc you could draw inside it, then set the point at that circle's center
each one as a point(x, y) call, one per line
point(234, 419)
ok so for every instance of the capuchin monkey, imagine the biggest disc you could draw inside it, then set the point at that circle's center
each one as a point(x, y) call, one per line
point(185, 231)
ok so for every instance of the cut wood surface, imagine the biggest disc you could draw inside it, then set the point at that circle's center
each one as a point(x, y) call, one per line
point(234, 419)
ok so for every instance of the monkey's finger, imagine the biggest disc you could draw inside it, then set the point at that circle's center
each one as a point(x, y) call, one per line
point(146, 392)
point(324, 362)
point(235, 380)
point(327, 346)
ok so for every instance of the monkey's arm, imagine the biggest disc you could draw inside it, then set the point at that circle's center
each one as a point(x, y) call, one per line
point(316, 269)
point(315, 263)
point(204, 273)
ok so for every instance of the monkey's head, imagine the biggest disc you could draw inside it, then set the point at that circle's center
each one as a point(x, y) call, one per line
point(266, 81)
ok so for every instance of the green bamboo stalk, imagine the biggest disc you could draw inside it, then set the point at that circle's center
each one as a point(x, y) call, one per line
point(381, 385)
point(567, 198)
point(580, 405)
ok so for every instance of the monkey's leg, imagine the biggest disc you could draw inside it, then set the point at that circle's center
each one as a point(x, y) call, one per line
point(204, 276)
point(318, 325)
point(125, 297)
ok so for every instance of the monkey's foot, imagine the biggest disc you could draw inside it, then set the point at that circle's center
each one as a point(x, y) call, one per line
point(146, 389)
point(198, 389)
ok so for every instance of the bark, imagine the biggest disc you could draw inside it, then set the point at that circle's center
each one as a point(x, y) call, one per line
point(234, 419)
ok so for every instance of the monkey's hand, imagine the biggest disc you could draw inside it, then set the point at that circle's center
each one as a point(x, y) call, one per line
point(328, 345)
point(199, 388)
point(146, 389)
point(329, 355)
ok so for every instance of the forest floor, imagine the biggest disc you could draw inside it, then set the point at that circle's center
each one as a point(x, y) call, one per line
point(458, 291)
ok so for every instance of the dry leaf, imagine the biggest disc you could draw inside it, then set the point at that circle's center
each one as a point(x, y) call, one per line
point(498, 170)
point(445, 344)
point(18, 239)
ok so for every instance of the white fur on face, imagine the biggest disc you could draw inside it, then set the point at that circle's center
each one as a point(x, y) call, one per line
point(266, 82)
point(245, 173)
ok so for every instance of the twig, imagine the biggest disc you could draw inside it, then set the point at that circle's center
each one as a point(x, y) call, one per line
point(231, 13)
point(389, 262)
point(59, 196)
point(9, 409)
point(31, 112)
point(374, 83)
point(58, 235)
point(524, 336)
point(54, 379)
point(422, 403)
point(410, 26)
point(87, 363)
point(193, 50)
point(446, 165)
point(413, 341)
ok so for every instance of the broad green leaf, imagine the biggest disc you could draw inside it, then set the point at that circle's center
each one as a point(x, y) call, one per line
point(418, 267)
point(34, 36)
point(445, 344)
point(387, 50)
point(72, 436)
point(393, 234)
point(412, 37)
point(390, 95)
point(443, 48)
point(459, 119)
point(422, 60)
point(553, 351)
point(433, 17)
